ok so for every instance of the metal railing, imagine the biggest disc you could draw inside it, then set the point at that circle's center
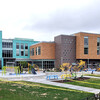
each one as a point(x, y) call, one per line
point(93, 97)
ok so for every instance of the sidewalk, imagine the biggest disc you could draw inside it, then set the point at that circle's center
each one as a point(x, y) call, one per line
point(86, 89)
point(92, 77)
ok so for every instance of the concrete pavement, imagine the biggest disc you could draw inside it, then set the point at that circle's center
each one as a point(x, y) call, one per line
point(45, 81)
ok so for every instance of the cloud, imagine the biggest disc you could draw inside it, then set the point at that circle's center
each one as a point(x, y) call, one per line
point(67, 19)
point(44, 19)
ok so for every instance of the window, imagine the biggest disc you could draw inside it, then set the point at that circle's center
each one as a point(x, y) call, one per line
point(85, 50)
point(17, 52)
point(32, 51)
point(26, 52)
point(26, 46)
point(17, 46)
point(22, 49)
point(36, 51)
point(48, 64)
point(7, 53)
point(10, 45)
point(7, 44)
point(86, 41)
point(26, 49)
point(39, 50)
point(22, 53)
point(98, 46)
point(22, 46)
point(85, 45)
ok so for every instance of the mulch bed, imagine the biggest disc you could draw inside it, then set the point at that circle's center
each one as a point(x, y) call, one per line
point(72, 80)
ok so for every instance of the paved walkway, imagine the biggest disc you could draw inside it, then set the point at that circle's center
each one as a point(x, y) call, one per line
point(41, 78)
point(92, 77)
point(44, 81)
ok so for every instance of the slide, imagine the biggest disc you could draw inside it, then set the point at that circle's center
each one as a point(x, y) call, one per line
point(33, 71)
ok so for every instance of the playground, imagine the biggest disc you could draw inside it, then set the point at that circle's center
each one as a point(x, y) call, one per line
point(72, 78)
point(20, 73)
point(67, 72)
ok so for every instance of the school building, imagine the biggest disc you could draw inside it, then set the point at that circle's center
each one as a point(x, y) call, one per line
point(64, 49)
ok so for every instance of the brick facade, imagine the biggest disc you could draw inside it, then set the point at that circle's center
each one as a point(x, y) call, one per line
point(92, 43)
point(65, 49)
point(47, 50)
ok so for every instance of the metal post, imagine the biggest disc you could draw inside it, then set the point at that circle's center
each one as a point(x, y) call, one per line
point(42, 64)
point(32, 62)
point(88, 63)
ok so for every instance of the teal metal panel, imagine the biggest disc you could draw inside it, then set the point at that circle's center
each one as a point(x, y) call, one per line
point(24, 41)
point(1, 49)
point(0, 44)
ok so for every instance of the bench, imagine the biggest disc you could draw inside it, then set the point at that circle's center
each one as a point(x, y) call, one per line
point(51, 76)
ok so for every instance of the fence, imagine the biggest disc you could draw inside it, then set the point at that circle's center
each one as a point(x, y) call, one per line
point(93, 97)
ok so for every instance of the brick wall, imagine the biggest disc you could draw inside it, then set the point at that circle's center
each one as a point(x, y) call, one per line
point(47, 51)
point(65, 49)
point(92, 45)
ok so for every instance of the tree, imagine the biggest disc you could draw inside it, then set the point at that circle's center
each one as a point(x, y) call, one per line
point(81, 66)
point(65, 67)
point(23, 63)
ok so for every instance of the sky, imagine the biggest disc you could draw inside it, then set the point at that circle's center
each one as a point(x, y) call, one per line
point(42, 20)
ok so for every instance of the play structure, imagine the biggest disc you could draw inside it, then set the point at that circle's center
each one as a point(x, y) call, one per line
point(71, 71)
point(98, 69)
point(10, 69)
point(32, 68)
point(17, 70)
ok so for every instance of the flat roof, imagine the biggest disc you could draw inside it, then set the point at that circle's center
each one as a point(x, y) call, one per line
point(43, 42)
point(65, 35)
point(24, 39)
point(87, 33)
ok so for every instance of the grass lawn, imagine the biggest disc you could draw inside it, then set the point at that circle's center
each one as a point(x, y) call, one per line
point(92, 83)
point(92, 75)
point(35, 91)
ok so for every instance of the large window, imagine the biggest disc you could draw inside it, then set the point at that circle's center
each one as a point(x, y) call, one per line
point(26, 49)
point(7, 53)
point(17, 52)
point(26, 46)
point(98, 46)
point(17, 49)
point(17, 46)
point(26, 52)
point(39, 50)
point(32, 52)
point(36, 51)
point(22, 49)
point(85, 45)
point(22, 46)
point(48, 64)
point(22, 53)
point(7, 44)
